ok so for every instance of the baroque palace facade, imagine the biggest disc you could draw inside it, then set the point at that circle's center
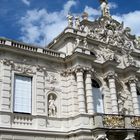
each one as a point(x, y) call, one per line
point(85, 85)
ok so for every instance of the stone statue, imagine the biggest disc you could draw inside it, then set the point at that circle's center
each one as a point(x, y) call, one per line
point(101, 137)
point(130, 138)
point(77, 42)
point(122, 97)
point(70, 20)
point(85, 43)
point(77, 23)
point(105, 8)
point(52, 107)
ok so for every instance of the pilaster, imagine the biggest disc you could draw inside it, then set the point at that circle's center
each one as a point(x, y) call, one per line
point(112, 87)
point(80, 87)
point(89, 94)
point(133, 89)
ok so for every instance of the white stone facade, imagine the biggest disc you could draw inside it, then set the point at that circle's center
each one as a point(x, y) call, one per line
point(90, 57)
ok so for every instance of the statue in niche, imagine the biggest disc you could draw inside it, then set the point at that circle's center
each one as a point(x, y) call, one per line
point(70, 20)
point(52, 106)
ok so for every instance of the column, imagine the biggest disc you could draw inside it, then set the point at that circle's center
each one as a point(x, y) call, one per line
point(133, 89)
point(80, 88)
point(112, 87)
point(89, 94)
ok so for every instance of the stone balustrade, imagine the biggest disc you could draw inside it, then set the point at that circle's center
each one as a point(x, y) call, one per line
point(23, 46)
point(2, 41)
point(111, 121)
point(31, 48)
point(50, 52)
point(22, 119)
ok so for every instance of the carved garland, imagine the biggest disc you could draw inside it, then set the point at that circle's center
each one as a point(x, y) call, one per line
point(135, 121)
point(113, 121)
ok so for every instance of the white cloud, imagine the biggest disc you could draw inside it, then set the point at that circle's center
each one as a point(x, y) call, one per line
point(27, 2)
point(93, 13)
point(112, 5)
point(131, 20)
point(40, 26)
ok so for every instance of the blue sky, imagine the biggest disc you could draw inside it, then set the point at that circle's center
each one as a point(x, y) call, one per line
point(39, 21)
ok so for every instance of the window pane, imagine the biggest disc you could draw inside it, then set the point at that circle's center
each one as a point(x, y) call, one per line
point(98, 100)
point(22, 94)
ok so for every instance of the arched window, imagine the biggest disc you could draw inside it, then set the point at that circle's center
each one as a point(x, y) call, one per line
point(97, 97)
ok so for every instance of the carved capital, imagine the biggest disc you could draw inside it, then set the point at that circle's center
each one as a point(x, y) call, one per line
point(79, 69)
point(89, 70)
point(132, 79)
point(111, 75)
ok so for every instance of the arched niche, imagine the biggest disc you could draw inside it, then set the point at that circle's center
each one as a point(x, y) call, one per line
point(52, 104)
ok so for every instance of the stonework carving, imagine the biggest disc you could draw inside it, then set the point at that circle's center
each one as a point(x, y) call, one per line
point(27, 69)
point(51, 79)
point(122, 97)
point(52, 107)
point(130, 138)
point(113, 121)
point(85, 43)
point(41, 68)
point(8, 62)
point(77, 42)
point(135, 121)
point(101, 137)
point(137, 42)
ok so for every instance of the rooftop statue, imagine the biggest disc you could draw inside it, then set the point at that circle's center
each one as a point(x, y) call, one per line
point(105, 8)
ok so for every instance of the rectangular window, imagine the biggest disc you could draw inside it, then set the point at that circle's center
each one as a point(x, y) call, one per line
point(22, 94)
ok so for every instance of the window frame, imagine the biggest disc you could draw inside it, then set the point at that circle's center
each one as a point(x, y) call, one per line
point(98, 86)
point(13, 91)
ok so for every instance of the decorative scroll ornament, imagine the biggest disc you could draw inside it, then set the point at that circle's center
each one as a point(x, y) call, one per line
point(135, 121)
point(8, 62)
point(27, 69)
point(51, 79)
point(41, 68)
point(113, 121)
